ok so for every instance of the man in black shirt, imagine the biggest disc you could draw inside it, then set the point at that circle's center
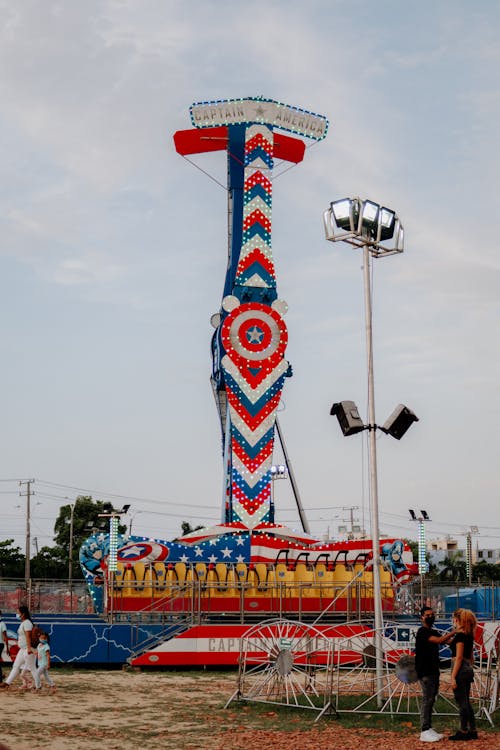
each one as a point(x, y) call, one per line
point(427, 645)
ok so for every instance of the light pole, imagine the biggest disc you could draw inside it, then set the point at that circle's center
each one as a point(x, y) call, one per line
point(112, 564)
point(378, 232)
point(468, 552)
point(423, 566)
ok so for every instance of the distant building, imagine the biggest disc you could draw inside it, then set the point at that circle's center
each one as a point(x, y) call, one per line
point(438, 549)
point(488, 555)
point(445, 544)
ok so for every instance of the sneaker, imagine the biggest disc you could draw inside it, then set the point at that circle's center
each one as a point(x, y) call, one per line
point(472, 735)
point(436, 734)
point(460, 736)
point(429, 735)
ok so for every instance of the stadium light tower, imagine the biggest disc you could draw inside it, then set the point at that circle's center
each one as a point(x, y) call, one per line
point(378, 232)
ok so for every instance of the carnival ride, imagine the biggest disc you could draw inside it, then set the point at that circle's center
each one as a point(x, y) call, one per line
point(248, 565)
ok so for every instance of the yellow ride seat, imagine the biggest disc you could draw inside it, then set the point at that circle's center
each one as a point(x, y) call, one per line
point(160, 571)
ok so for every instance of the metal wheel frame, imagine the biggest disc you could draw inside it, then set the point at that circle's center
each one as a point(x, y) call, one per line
point(290, 663)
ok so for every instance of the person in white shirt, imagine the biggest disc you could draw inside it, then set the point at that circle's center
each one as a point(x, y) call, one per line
point(26, 656)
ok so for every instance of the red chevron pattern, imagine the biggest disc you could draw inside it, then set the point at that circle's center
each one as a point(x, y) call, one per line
point(256, 256)
point(256, 217)
point(253, 422)
point(252, 464)
point(259, 141)
point(257, 178)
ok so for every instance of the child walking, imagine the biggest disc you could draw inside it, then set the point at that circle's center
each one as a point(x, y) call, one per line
point(43, 655)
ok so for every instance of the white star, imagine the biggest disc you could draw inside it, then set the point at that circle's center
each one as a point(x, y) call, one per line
point(240, 558)
point(184, 558)
point(226, 552)
point(213, 541)
point(198, 551)
point(254, 335)
point(239, 541)
point(260, 111)
point(212, 559)
point(131, 551)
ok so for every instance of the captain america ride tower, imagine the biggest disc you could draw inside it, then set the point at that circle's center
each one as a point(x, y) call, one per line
point(247, 562)
point(250, 338)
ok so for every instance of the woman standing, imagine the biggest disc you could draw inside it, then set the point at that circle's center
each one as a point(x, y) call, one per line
point(26, 656)
point(462, 674)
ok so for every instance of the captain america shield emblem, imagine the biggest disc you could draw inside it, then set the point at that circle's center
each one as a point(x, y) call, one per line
point(145, 552)
point(254, 332)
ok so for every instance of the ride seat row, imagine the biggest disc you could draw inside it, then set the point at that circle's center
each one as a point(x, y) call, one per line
point(254, 579)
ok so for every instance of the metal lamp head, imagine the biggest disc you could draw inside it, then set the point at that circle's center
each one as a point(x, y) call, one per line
point(369, 219)
point(386, 223)
point(399, 422)
point(364, 222)
point(346, 213)
point(348, 416)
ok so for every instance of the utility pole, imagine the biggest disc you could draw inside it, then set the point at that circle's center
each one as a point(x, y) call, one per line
point(27, 567)
point(351, 509)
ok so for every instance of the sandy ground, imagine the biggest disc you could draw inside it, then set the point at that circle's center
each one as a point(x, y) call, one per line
point(118, 710)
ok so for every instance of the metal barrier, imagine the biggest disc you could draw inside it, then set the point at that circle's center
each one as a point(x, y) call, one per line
point(51, 597)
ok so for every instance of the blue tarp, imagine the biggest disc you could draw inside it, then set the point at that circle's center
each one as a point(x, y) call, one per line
point(483, 601)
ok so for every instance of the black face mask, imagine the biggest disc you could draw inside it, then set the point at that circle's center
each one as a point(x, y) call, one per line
point(430, 619)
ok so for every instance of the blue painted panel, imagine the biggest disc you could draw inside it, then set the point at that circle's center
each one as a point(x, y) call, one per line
point(76, 641)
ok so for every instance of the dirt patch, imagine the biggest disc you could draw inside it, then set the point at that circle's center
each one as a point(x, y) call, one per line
point(92, 710)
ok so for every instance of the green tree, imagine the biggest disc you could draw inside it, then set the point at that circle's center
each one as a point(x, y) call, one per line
point(47, 563)
point(11, 560)
point(485, 571)
point(454, 569)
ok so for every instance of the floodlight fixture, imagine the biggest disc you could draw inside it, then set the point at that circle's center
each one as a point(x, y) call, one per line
point(387, 221)
point(348, 415)
point(278, 471)
point(346, 214)
point(399, 421)
point(351, 423)
point(369, 217)
point(424, 516)
point(364, 223)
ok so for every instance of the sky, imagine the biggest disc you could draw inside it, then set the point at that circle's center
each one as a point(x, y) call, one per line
point(113, 251)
